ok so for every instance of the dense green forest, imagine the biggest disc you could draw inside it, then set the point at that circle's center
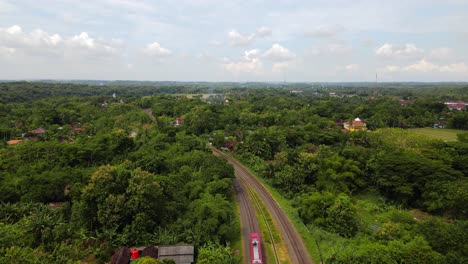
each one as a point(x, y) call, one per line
point(93, 172)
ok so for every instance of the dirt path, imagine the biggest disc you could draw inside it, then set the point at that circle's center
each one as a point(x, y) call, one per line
point(296, 247)
point(149, 112)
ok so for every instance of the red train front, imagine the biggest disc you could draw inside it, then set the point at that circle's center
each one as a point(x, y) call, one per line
point(255, 249)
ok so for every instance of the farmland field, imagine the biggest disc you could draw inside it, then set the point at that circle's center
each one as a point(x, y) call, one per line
point(440, 133)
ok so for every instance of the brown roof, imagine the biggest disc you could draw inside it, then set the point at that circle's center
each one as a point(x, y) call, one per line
point(456, 106)
point(39, 130)
point(358, 123)
point(405, 102)
point(14, 141)
point(121, 256)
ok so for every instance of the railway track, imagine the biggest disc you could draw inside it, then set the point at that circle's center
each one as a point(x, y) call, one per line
point(248, 217)
point(296, 248)
point(259, 209)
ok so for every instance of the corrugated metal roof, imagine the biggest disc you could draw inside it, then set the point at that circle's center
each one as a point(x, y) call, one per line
point(180, 254)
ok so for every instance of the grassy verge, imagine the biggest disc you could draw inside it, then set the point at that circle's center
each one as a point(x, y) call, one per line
point(439, 133)
point(267, 243)
point(266, 221)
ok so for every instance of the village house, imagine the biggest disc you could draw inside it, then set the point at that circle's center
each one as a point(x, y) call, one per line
point(14, 141)
point(439, 124)
point(296, 91)
point(405, 102)
point(179, 121)
point(38, 131)
point(181, 254)
point(355, 125)
point(456, 105)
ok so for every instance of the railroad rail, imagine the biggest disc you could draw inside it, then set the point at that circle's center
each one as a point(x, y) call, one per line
point(296, 247)
point(260, 209)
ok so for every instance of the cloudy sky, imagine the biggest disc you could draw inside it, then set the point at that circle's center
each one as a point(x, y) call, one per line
point(235, 40)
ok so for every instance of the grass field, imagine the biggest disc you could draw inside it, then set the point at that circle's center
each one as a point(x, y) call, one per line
point(439, 133)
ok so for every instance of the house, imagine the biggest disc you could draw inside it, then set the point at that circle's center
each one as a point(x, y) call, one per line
point(439, 124)
point(456, 105)
point(124, 255)
point(77, 130)
point(405, 102)
point(230, 145)
point(355, 125)
point(296, 91)
point(182, 254)
point(38, 131)
point(179, 121)
point(14, 141)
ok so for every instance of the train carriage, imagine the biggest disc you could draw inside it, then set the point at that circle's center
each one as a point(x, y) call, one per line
point(255, 249)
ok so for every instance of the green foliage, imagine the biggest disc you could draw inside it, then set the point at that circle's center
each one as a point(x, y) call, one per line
point(415, 251)
point(147, 260)
point(217, 254)
point(333, 213)
point(463, 137)
point(123, 178)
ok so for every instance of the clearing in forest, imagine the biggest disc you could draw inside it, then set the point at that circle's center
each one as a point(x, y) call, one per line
point(440, 133)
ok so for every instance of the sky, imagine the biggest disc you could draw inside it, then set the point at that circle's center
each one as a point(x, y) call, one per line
point(235, 40)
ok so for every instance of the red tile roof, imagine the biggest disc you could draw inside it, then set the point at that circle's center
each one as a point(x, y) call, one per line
point(358, 123)
point(14, 141)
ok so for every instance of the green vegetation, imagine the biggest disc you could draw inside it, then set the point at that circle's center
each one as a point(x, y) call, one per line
point(90, 172)
point(101, 176)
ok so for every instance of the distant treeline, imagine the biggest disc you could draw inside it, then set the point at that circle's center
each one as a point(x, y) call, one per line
point(28, 91)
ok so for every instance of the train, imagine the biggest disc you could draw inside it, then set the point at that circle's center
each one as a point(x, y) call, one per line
point(255, 249)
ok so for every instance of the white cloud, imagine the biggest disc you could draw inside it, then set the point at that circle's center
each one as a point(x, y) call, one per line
point(41, 43)
point(279, 53)
point(441, 53)
point(155, 49)
point(421, 66)
point(83, 40)
point(15, 29)
point(253, 66)
point(7, 52)
point(251, 54)
point(263, 32)
point(398, 51)
point(237, 39)
point(425, 66)
point(250, 64)
point(455, 67)
point(279, 57)
point(352, 67)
